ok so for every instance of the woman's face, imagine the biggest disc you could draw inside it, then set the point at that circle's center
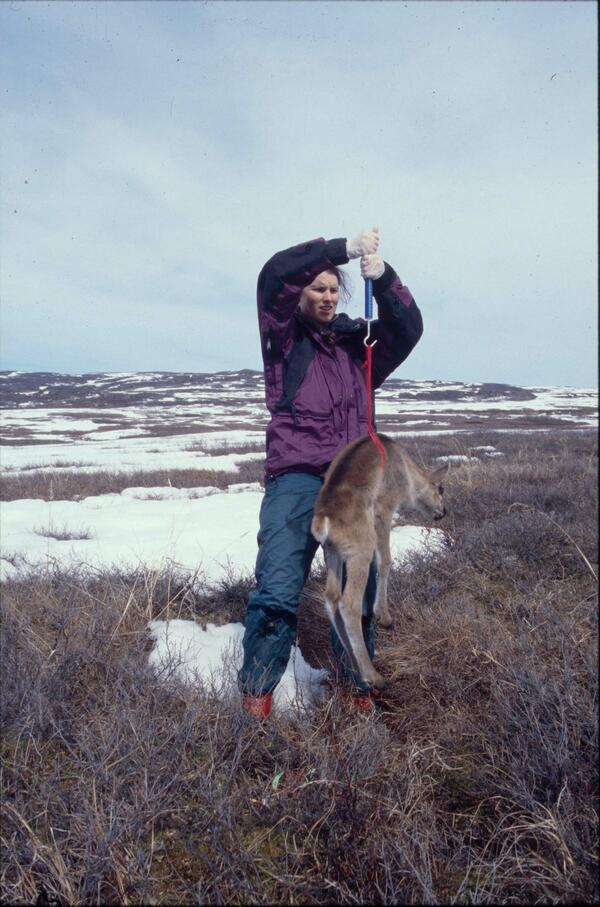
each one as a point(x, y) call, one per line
point(320, 298)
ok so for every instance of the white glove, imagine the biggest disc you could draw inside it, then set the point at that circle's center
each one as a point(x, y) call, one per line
point(371, 266)
point(366, 243)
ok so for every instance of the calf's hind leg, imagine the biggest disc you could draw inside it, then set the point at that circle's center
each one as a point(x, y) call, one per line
point(350, 612)
point(333, 594)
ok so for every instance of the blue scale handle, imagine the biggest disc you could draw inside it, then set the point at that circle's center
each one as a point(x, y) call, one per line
point(368, 298)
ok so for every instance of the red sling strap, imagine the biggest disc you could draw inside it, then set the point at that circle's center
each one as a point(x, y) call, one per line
point(368, 365)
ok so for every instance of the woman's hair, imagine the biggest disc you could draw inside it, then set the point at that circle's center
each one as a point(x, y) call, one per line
point(345, 283)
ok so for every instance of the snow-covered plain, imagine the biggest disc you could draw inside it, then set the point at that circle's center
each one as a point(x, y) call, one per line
point(205, 530)
point(197, 430)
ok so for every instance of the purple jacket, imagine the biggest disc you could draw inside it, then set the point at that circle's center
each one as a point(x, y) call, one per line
point(329, 407)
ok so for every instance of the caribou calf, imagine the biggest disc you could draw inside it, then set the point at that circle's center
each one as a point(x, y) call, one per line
point(353, 519)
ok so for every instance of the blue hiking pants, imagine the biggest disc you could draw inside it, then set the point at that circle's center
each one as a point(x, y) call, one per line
point(286, 549)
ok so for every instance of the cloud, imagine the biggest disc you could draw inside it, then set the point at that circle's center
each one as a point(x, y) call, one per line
point(160, 153)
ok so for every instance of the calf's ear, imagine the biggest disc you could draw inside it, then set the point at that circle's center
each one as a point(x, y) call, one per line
point(436, 475)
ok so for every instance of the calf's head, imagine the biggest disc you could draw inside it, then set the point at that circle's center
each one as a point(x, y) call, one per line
point(428, 498)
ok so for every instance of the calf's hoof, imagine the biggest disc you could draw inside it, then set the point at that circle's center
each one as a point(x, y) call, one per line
point(378, 682)
point(384, 616)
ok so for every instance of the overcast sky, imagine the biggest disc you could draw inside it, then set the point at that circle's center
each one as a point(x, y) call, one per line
point(155, 154)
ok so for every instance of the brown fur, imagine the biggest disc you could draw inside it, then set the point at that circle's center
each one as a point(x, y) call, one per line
point(352, 520)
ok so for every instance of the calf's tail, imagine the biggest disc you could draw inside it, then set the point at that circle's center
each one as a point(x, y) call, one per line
point(320, 527)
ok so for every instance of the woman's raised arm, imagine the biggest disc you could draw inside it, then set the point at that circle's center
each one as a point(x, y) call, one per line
point(398, 327)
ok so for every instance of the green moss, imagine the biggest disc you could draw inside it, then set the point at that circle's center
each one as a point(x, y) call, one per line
point(470, 891)
point(263, 842)
point(461, 789)
point(173, 849)
point(8, 750)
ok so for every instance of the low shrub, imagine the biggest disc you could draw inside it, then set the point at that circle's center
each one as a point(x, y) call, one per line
point(475, 782)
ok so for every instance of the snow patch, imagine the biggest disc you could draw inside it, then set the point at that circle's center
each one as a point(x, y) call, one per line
point(212, 535)
point(212, 658)
point(457, 458)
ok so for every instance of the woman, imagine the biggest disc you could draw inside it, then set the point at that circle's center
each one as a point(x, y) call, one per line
point(316, 394)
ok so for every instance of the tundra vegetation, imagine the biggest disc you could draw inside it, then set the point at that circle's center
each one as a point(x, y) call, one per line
point(475, 782)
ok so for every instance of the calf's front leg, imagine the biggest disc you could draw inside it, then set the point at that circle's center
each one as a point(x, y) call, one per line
point(384, 563)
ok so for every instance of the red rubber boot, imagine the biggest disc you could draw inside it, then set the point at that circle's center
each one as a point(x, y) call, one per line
point(258, 706)
point(363, 703)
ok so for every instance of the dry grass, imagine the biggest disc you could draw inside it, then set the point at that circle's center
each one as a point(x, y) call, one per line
point(62, 533)
point(476, 782)
point(56, 485)
point(228, 447)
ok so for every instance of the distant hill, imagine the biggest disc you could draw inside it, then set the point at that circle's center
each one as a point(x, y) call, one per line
point(110, 389)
